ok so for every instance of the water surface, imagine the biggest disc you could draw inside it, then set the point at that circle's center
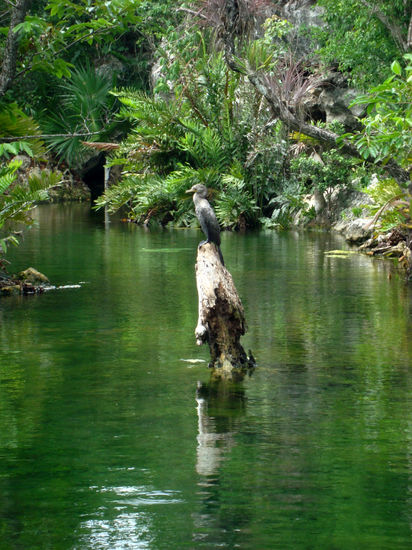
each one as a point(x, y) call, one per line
point(111, 439)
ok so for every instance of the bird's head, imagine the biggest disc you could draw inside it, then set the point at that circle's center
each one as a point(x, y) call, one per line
point(199, 189)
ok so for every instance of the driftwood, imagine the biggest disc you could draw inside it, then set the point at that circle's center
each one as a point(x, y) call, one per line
point(221, 320)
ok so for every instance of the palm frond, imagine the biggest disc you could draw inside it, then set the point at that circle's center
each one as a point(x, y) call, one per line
point(84, 107)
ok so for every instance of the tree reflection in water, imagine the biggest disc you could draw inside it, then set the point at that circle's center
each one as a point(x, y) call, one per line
point(220, 405)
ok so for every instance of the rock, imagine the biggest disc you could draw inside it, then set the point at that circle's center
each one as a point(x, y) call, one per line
point(10, 290)
point(318, 200)
point(303, 13)
point(25, 162)
point(29, 281)
point(32, 276)
point(358, 231)
point(109, 66)
point(335, 101)
point(70, 191)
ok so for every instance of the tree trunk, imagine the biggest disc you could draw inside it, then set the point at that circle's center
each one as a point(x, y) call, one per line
point(221, 320)
point(8, 68)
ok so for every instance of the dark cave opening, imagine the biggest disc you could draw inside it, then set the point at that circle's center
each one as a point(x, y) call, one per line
point(93, 175)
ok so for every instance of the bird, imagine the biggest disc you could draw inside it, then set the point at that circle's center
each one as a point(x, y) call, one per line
point(206, 216)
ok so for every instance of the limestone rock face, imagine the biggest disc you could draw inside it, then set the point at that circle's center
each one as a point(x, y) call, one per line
point(303, 12)
point(335, 103)
point(109, 66)
point(357, 231)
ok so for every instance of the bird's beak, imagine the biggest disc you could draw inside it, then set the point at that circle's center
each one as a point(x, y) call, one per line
point(191, 190)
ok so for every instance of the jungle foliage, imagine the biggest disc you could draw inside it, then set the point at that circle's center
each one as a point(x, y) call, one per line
point(17, 199)
point(196, 129)
point(210, 91)
point(59, 61)
point(205, 123)
point(363, 37)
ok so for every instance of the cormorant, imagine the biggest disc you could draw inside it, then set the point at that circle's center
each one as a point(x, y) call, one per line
point(206, 217)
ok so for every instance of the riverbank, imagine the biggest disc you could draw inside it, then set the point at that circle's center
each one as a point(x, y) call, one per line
point(348, 212)
point(344, 211)
point(70, 186)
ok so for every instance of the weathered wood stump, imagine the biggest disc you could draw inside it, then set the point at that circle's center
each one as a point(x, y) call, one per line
point(221, 320)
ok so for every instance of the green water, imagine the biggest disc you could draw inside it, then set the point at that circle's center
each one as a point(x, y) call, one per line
point(111, 439)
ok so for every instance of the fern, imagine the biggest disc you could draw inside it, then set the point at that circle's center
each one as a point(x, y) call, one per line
point(14, 124)
point(200, 133)
point(16, 201)
point(204, 148)
point(236, 208)
point(119, 195)
point(8, 175)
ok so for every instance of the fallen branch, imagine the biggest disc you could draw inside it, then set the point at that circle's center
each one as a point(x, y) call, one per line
point(10, 139)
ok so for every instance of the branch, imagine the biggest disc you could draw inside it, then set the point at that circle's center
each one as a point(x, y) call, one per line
point(278, 107)
point(44, 136)
point(64, 48)
point(282, 112)
point(192, 12)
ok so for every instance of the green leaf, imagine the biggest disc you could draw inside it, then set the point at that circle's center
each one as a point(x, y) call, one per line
point(396, 67)
point(24, 146)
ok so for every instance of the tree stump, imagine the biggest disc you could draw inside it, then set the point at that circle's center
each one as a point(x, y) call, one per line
point(221, 320)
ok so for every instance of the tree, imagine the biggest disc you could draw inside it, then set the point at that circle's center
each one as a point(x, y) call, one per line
point(363, 37)
point(231, 19)
point(42, 38)
point(8, 68)
point(387, 126)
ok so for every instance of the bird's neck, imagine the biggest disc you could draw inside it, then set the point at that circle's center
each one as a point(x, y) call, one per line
point(197, 199)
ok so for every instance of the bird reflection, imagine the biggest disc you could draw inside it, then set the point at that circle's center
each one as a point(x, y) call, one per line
point(219, 404)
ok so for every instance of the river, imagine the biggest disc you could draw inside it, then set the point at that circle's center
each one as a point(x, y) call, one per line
point(112, 437)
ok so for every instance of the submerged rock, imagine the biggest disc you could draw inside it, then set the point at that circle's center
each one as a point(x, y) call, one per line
point(29, 281)
point(10, 290)
point(32, 276)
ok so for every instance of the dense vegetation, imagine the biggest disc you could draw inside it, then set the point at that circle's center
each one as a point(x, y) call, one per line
point(215, 91)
